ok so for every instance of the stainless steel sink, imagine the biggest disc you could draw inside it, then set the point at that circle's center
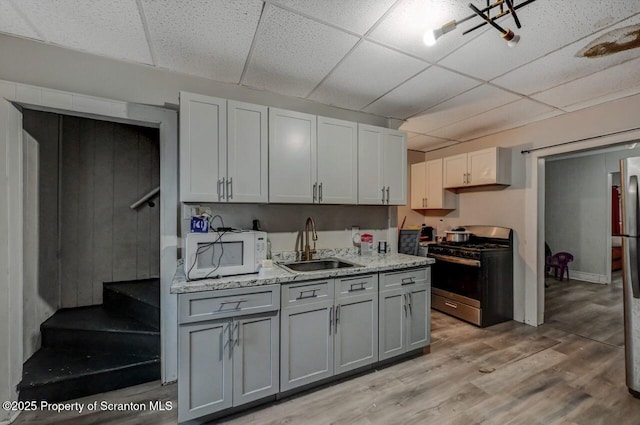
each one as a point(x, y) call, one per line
point(317, 265)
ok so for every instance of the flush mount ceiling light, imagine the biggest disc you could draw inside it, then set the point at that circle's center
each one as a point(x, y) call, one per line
point(507, 7)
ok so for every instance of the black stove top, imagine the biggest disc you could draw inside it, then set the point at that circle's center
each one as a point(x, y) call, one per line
point(477, 245)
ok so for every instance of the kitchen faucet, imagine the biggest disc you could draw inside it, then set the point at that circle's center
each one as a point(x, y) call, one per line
point(308, 252)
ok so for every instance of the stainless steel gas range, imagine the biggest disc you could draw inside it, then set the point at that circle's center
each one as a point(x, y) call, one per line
point(473, 280)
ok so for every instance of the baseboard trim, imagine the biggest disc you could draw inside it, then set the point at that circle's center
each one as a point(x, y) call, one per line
point(589, 277)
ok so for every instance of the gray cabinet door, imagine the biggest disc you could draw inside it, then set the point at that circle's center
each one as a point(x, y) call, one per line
point(356, 332)
point(393, 318)
point(306, 338)
point(418, 319)
point(256, 358)
point(204, 365)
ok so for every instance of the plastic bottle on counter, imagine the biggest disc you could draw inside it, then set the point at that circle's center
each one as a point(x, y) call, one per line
point(440, 228)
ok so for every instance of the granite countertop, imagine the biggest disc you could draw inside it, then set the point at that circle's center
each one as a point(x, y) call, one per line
point(366, 264)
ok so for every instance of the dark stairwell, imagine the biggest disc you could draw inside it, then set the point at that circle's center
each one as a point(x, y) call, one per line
point(90, 350)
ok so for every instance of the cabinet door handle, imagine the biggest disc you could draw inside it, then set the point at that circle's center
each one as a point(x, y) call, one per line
point(426, 202)
point(315, 191)
point(219, 190)
point(410, 298)
point(237, 329)
point(468, 178)
point(320, 192)
point(383, 194)
point(230, 188)
point(404, 303)
point(230, 338)
point(330, 319)
point(337, 318)
point(313, 291)
point(237, 302)
point(450, 304)
point(224, 187)
point(387, 195)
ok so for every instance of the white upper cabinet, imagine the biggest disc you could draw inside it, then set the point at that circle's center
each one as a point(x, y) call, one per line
point(486, 167)
point(427, 190)
point(223, 150)
point(292, 156)
point(337, 172)
point(418, 185)
point(203, 136)
point(382, 166)
point(247, 153)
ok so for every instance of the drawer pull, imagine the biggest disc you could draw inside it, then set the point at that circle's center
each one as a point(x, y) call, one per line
point(361, 288)
point(313, 293)
point(238, 302)
point(450, 304)
point(408, 280)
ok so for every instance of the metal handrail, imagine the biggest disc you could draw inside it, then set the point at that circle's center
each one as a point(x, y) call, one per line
point(145, 198)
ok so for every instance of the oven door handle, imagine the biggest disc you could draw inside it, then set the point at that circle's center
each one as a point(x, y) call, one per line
point(455, 260)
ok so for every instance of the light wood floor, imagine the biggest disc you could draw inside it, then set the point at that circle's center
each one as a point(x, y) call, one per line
point(558, 373)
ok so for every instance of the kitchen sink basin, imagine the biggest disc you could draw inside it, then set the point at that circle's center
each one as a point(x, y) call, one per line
point(317, 265)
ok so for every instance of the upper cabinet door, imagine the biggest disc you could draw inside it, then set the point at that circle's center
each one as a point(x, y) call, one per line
point(455, 170)
point(481, 167)
point(337, 162)
point(203, 134)
point(370, 183)
point(418, 190)
point(292, 157)
point(247, 153)
point(395, 167)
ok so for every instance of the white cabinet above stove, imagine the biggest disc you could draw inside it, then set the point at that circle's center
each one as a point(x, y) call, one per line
point(483, 168)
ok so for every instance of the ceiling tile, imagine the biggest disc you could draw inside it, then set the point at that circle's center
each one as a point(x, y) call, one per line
point(12, 23)
point(105, 27)
point(426, 89)
point(610, 84)
point(546, 26)
point(565, 65)
point(366, 74)
point(405, 26)
point(292, 54)
point(466, 105)
point(354, 15)
point(202, 37)
point(423, 142)
point(508, 116)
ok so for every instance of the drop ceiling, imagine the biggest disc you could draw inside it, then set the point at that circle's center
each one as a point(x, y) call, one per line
point(367, 55)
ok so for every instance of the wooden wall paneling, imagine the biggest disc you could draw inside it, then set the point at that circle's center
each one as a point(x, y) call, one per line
point(125, 193)
point(69, 255)
point(143, 212)
point(86, 211)
point(154, 220)
point(103, 205)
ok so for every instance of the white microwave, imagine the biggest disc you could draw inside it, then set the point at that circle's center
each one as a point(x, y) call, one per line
point(223, 253)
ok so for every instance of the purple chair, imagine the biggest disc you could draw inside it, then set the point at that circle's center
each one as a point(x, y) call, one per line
point(559, 262)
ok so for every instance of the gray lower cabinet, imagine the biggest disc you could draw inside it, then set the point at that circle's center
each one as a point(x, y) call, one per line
point(229, 361)
point(405, 303)
point(329, 327)
point(356, 323)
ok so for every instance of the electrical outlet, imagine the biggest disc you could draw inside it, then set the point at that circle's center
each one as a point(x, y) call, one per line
point(354, 230)
point(189, 211)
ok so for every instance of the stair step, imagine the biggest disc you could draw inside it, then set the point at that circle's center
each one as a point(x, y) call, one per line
point(138, 299)
point(55, 374)
point(95, 329)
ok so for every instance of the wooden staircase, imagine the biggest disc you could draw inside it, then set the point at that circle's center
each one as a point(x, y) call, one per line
point(90, 350)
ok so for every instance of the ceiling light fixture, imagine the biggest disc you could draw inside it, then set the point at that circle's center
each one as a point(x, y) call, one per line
point(512, 39)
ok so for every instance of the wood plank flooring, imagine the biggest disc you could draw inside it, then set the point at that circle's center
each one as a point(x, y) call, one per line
point(558, 373)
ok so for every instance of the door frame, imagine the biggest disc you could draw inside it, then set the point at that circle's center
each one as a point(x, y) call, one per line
point(16, 95)
point(535, 220)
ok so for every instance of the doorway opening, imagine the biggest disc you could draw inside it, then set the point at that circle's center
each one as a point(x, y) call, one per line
point(91, 305)
point(582, 217)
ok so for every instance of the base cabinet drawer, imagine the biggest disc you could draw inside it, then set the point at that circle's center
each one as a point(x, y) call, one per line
point(404, 278)
point(457, 309)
